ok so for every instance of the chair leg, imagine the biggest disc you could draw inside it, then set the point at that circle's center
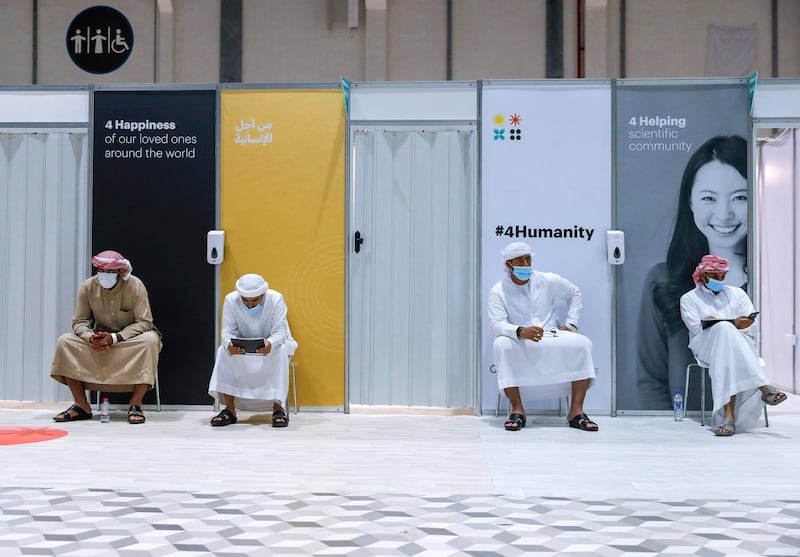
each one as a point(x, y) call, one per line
point(703, 396)
point(158, 395)
point(766, 416)
point(497, 410)
point(563, 406)
point(686, 391)
point(294, 386)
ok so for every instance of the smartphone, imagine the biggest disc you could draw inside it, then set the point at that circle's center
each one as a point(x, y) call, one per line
point(753, 315)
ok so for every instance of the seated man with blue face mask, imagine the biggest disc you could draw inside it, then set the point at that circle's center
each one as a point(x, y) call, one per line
point(720, 320)
point(531, 348)
point(257, 380)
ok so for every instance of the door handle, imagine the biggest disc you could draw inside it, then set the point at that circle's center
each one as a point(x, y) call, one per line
point(358, 240)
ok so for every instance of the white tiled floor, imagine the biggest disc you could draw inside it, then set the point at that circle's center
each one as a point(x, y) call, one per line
point(650, 459)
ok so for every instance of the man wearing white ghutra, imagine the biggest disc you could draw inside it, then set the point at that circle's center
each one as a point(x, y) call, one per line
point(252, 366)
point(531, 348)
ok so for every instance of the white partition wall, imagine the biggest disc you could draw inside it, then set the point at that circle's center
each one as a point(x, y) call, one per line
point(778, 246)
point(43, 233)
point(776, 123)
point(412, 253)
point(546, 180)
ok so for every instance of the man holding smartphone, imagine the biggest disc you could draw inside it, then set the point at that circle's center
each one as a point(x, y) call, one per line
point(252, 365)
point(720, 320)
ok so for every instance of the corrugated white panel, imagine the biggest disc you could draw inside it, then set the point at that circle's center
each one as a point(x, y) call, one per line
point(412, 330)
point(43, 254)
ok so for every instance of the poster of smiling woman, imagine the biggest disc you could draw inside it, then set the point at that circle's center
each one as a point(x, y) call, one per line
point(682, 192)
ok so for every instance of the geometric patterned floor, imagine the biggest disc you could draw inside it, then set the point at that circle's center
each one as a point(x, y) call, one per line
point(405, 485)
point(174, 523)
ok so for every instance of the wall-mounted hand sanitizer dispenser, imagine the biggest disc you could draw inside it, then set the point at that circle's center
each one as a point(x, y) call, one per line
point(215, 246)
point(615, 247)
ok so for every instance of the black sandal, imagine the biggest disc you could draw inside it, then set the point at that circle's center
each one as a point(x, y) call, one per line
point(279, 418)
point(515, 422)
point(582, 422)
point(226, 417)
point(65, 416)
point(134, 413)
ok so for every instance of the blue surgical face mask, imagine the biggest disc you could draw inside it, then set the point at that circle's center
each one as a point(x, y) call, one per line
point(253, 309)
point(523, 273)
point(714, 285)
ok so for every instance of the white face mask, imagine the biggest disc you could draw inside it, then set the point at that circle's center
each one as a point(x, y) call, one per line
point(107, 280)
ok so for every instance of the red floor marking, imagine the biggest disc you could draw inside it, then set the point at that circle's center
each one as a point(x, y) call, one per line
point(20, 435)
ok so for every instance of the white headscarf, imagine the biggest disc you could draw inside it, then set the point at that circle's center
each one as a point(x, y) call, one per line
point(515, 249)
point(251, 285)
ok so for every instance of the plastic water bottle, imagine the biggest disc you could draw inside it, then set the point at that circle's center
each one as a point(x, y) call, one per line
point(677, 405)
point(105, 411)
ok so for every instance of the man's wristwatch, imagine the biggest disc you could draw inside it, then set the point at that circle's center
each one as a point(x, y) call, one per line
point(519, 330)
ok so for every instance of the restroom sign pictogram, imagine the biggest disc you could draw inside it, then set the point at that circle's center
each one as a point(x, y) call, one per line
point(99, 39)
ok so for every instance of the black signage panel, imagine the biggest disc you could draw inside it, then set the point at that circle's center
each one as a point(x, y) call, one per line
point(154, 201)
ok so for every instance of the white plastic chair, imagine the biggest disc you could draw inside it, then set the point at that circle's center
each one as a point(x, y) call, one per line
point(291, 347)
point(158, 395)
point(293, 375)
point(563, 401)
point(703, 368)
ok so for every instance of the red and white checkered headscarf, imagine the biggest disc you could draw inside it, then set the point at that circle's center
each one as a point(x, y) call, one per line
point(111, 260)
point(709, 263)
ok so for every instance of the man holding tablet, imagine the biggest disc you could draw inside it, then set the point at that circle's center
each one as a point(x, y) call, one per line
point(252, 365)
point(720, 320)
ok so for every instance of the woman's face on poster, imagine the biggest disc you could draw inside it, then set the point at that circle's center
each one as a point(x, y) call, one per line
point(719, 204)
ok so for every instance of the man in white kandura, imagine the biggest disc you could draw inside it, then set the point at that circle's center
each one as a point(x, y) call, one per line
point(727, 346)
point(531, 349)
point(253, 381)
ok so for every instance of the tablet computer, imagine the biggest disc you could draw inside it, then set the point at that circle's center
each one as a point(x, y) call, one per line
point(250, 345)
point(706, 323)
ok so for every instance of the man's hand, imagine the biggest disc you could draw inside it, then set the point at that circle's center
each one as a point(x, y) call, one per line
point(101, 341)
point(233, 350)
point(266, 349)
point(533, 333)
point(743, 322)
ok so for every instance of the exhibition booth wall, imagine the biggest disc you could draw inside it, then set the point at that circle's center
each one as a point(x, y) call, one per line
point(776, 121)
point(379, 211)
